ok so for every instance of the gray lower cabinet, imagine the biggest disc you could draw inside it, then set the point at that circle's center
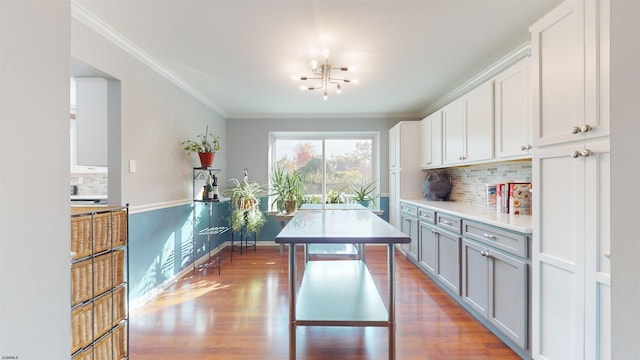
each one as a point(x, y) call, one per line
point(428, 247)
point(448, 269)
point(409, 225)
point(495, 285)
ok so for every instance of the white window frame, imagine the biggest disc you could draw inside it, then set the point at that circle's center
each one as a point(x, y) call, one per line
point(374, 136)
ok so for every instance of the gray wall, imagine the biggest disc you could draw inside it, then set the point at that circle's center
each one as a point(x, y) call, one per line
point(157, 116)
point(248, 141)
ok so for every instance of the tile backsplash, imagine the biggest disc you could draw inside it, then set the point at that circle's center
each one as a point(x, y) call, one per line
point(90, 183)
point(468, 183)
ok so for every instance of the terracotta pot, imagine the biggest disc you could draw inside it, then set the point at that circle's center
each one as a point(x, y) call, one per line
point(206, 159)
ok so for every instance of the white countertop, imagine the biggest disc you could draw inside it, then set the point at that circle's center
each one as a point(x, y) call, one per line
point(519, 223)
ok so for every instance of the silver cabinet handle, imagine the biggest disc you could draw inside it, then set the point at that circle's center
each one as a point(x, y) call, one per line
point(608, 255)
point(586, 128)
point(434, 231)
point(523, 147)
point(575, 130)
point(586, 152)
point(447, 222)
point(529, 146)
point(575, 154)
point(483, 253)
point(489, 236)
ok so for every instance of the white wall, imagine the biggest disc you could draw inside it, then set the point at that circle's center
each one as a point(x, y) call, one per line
point(249, 141)
point(156, 117)
point(34, 180)
point(625, 172)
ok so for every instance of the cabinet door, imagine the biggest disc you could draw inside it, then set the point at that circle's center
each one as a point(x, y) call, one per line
point(597, 251)
point(410, 227)
point(558, 254)
point(453, 133)
point(92, 115)
point(512, 114)
point(449, 260)
point(431, 141)
point(394, 147)
point(479, 124)
point(558, 65)
point(475, 276)
point(394, 198)
point(428, 247)
point(508, 296)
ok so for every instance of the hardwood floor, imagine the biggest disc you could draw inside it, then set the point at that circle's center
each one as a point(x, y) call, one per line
point(243, 314)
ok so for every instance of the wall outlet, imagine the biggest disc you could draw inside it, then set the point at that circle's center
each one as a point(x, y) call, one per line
point(132, 166)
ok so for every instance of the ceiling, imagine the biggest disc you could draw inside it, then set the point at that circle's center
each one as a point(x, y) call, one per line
point(239, 55)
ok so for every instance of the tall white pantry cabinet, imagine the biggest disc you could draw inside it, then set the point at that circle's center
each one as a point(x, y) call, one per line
point(405, 177)
point(571, 303)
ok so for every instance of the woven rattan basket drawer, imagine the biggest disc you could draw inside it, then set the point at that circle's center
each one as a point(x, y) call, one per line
point(105, 312)
point(111, 346)
point(107, 228)
point(107, 272)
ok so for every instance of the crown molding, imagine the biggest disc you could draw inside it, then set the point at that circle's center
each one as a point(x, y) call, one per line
point(403, 116)
point(509, 59)
point(86, 17)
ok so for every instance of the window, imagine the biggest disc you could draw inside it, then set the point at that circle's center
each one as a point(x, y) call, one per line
point(329, 163)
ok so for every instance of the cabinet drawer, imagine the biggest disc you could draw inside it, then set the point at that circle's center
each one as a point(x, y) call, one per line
point(511, 242)
point(427, 216)
point(449, 222)
point(408, 210)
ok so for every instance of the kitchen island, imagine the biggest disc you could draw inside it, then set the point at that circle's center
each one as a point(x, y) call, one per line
point(339, 292)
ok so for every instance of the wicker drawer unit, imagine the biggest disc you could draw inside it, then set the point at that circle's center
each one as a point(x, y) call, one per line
point(99, 306)
point(97, 275)
point(112, 346)
point(104, 312)
point(94, 231)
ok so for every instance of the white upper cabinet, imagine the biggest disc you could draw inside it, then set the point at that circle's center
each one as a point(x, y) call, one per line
point(467, 125)
point(453, 133)
point(431, 141)
point(479, 123)
point(92, 115)
point(569, 76)
point(513, 138)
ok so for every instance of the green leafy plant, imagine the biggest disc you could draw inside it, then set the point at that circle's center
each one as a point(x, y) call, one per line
point(364, 192)
point(245, 200)
point(206, 142)
point(288, 189)
point(335, 196)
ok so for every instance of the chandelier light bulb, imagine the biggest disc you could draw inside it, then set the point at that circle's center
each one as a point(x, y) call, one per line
point(325, 96)
point(338, 89)
point(325, 54)
point(314, 64)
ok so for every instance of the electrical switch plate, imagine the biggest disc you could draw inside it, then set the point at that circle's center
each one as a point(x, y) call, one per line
point(132, 166)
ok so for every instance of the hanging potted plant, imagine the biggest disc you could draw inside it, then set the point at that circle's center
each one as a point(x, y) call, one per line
point(206, 145)
point(245, 200)
point(364, 194)
point(288, 189)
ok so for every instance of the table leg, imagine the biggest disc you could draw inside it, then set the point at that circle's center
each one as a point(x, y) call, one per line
point(292, 301)
point(392, 305)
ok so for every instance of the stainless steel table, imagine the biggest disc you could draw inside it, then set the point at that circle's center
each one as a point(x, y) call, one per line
point(341, 292)
point(334, 251)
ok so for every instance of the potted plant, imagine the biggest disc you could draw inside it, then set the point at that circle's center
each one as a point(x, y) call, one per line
point(335, 196)
point(364, 194)
point(288, 188)
point(206, 145)
point(245, 201)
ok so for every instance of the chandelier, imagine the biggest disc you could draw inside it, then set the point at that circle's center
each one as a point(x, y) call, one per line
point(323, 73)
